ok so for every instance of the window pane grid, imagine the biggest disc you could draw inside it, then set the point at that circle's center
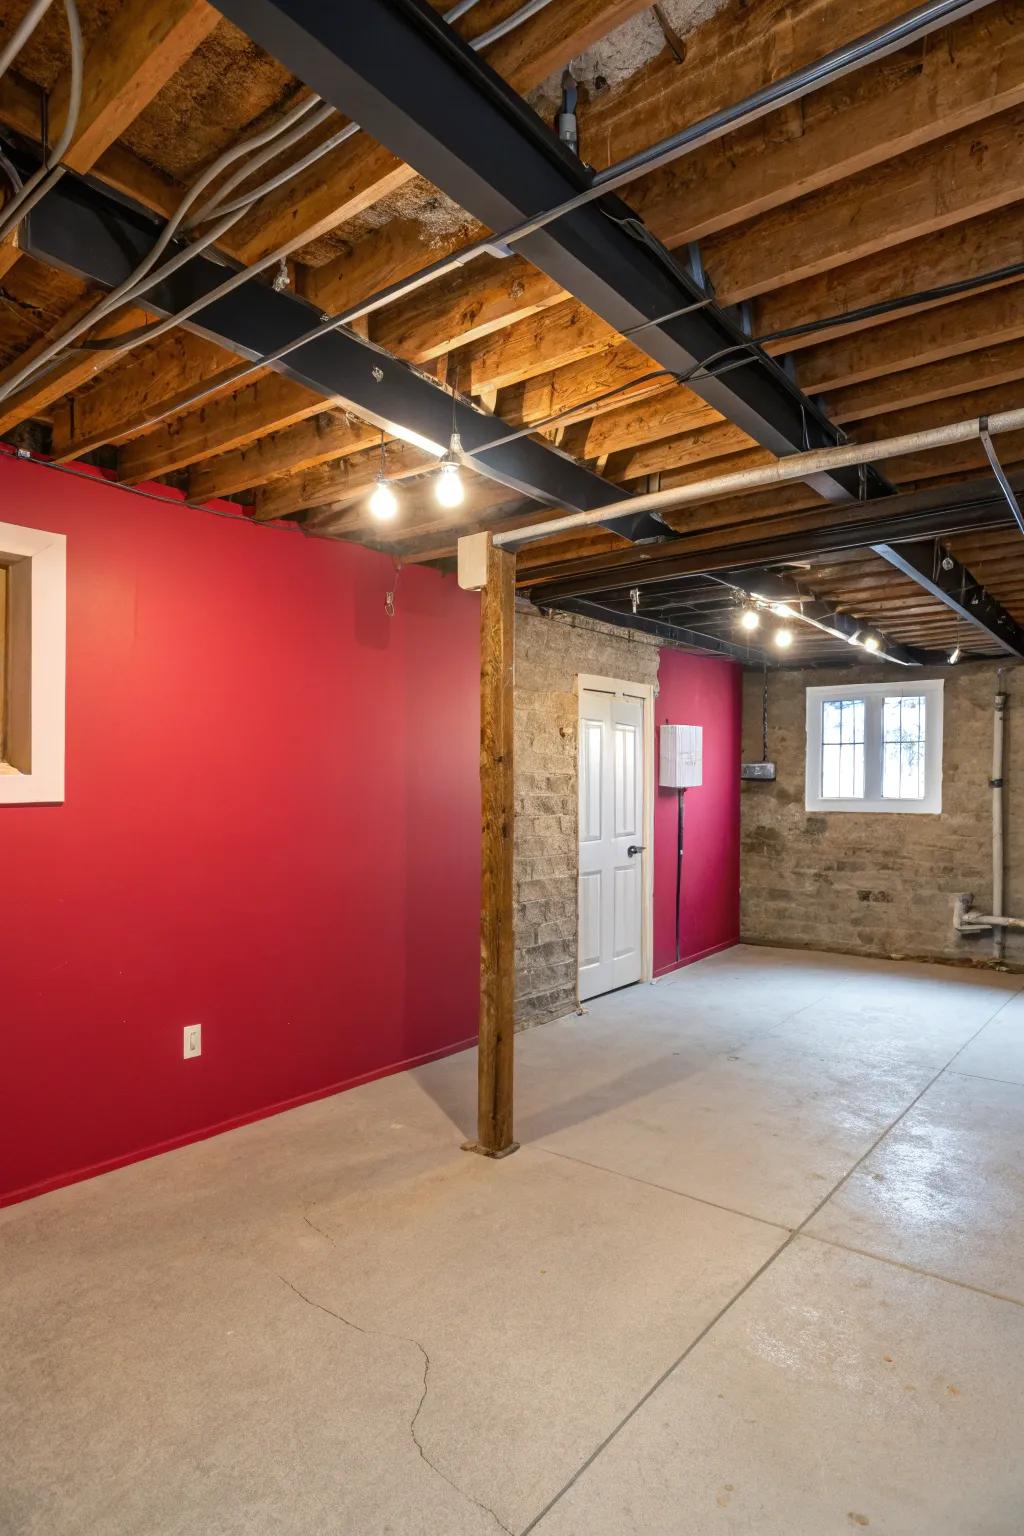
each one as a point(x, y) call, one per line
point(903, 747)
point(842, 749)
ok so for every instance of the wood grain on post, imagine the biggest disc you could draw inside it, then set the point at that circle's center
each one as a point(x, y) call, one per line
point(497, 967)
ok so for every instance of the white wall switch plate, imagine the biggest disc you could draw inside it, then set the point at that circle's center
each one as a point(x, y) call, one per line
point(193, 1040)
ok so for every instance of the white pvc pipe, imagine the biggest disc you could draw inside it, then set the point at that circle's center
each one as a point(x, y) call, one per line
point(998, 864)
point(796, 466)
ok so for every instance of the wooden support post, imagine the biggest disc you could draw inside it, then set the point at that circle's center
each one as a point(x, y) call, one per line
point(497, 956)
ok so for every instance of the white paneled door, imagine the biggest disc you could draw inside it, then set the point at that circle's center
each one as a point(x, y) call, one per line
point(612, 852)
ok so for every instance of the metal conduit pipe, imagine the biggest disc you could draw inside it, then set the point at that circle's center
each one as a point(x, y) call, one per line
point(797, 466)
point(996, 783)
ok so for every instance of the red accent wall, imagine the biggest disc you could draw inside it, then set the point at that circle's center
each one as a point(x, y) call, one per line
point(271, 828)
point(706, 691)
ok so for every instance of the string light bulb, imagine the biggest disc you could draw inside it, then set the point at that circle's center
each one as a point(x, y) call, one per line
point(750, 618)
point(783, 638)
point(383, 502)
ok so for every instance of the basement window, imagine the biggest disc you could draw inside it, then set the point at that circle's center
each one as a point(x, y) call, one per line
point(33, 598)
point(875, 747)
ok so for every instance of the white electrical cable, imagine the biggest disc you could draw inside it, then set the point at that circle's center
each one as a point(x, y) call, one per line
point(51, 170)
point(285, 137)
point(509, 24)
point(246, 199)
point(138, 281)
point(21, 34)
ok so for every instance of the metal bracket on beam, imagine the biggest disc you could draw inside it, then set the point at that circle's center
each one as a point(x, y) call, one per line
point(1000, 474)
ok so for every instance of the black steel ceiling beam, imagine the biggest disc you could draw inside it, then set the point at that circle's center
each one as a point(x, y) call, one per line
point(907, 517)
point(414, 85)
point(940, 573)
point(81, 228)
point(771, 587)
point(660, 628)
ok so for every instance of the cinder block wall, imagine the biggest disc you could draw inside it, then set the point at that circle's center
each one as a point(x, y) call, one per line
point(550, 653)
point(880, 884)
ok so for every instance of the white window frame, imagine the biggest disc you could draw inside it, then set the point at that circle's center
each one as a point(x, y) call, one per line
point(873, 695)
point(36, 562)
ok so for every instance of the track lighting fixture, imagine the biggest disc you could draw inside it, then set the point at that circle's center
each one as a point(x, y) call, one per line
point(383, 502)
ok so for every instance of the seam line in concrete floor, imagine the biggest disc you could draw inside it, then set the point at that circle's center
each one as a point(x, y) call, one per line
point(746, 1286)
point(982, 1077)
point(912, 1269)
point(730, 1210)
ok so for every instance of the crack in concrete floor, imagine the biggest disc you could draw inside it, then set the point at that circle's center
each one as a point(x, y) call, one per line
point(398, 1338)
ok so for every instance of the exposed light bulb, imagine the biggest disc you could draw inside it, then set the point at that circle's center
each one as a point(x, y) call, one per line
point(783, 638)
point(448, 487)
point(954, 655)
point(750, 618)
point(871, 642)
point(383, 501)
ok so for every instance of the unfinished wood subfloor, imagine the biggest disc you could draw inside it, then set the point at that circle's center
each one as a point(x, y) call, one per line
point(758, 1266)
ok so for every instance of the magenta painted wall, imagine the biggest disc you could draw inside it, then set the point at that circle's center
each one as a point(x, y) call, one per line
point(271, 828)
point(705, 691)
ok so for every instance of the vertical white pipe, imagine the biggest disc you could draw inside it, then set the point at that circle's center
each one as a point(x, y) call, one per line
point(998, 865)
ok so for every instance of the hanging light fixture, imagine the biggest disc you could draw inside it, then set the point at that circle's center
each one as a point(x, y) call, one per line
point(383, 502)
point(448, 487)
point(871, 643)
point(750, 618)
point(783, 638)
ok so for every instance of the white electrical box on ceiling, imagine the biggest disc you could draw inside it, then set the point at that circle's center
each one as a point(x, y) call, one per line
point(682, 756)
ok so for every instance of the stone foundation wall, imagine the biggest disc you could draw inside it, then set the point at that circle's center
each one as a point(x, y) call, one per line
point(880, 884)
point(550, 654)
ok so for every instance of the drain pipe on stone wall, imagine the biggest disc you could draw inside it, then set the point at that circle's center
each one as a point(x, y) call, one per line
point(965, 919)
point(996, 782)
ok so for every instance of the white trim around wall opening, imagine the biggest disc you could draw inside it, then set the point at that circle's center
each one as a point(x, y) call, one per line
point(34, 665)
point(645, 692)
point(875, 747)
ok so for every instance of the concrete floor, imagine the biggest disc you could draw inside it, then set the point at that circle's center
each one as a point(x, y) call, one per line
point(759, 1267)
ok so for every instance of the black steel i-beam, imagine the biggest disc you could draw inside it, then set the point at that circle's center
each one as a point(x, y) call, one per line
point(414, 85)
point(83, 229)
point(940, 573)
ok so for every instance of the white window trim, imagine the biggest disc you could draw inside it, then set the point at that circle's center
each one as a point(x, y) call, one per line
point(931, 803)
point(45, 555)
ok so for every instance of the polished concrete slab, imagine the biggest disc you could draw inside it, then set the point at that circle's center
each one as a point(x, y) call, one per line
point(738, 1279)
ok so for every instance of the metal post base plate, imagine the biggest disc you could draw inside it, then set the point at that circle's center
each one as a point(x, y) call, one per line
point(474, 1146)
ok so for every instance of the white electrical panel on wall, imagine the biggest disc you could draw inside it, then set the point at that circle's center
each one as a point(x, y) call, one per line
point(682, 756)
